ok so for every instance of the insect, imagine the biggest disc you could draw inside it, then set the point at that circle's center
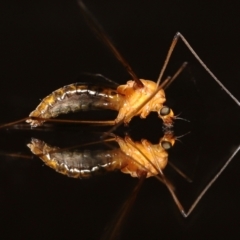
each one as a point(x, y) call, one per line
point(137, 97)
point(40, 120)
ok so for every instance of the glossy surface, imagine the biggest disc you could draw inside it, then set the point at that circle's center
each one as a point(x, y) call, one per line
point(46, 45)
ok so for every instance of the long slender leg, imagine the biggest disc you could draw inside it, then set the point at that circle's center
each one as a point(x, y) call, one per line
point(98, 30)
point(182, 174)
point(169, 54)
point(16, 155)
point(115, 226)
point(176, 75)
point(211, 182)
point(13, 123)
point(170, 51)
point(101, 76)
point(179, 35)
point(175, 198)
point(95, 123)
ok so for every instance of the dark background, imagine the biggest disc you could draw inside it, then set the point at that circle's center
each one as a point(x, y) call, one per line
point(47, 44)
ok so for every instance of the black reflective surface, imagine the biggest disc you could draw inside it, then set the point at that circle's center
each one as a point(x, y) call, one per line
point(46, 45)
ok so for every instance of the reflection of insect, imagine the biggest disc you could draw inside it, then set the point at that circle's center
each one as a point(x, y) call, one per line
point(134, 158)
point(139, 159)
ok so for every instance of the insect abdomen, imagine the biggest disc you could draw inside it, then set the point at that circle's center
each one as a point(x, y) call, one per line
point(77, 164)
point(75, 97)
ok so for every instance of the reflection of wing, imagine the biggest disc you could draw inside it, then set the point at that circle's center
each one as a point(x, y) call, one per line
point(103, 36)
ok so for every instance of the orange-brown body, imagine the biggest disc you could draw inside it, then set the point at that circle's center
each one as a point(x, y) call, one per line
point(134, 158)
point(145, 158)
point(127, 99)
point(134, 97)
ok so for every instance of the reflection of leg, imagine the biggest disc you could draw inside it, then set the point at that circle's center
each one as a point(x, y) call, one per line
point(114, 228)
point(176, 37)
point(175, 198)
point(211, 182)
point(182, 174)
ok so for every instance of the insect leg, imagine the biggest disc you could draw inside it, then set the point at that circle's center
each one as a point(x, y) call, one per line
point(100, 33)
point(16, 155)
point(176, 75)
point(175, 198)
point(94, 123)
point(179, 35)
point(169, 54)
point(182, 174)
point(100, 76)
point(13, 123)
point(113, 230)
